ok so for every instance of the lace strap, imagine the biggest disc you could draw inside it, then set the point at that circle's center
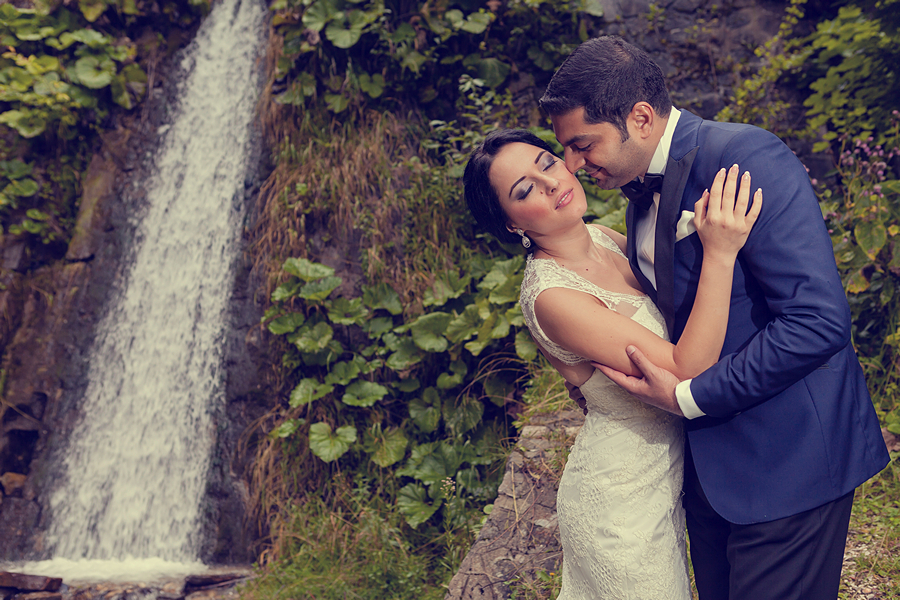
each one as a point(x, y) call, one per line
point(543, 273)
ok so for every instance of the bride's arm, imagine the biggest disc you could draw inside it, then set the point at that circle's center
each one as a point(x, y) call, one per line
point(582, 324)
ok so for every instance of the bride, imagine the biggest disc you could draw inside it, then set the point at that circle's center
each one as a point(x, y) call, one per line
point(619, 500)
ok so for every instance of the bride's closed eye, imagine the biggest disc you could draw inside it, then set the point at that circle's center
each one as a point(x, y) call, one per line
point(549, 161)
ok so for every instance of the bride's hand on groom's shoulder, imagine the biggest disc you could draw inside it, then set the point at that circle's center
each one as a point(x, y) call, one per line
point(656, 387)
point(725, 214)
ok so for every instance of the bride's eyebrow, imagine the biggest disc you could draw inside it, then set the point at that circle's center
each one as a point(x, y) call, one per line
point(519, 180)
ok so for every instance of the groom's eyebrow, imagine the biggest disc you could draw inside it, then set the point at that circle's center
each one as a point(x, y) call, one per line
point(575, 140)
point(519, 180)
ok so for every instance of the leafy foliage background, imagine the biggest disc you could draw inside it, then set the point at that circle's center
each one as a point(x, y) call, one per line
point(401, 368)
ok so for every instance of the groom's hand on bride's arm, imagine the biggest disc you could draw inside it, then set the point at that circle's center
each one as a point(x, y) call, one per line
point(656, 387)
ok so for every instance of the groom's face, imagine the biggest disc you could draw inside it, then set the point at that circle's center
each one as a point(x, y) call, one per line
point(599, 150)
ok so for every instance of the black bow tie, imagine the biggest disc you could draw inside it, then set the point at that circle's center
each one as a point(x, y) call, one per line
point(641, 193)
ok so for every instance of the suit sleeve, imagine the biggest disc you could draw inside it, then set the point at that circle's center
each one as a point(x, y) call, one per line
point(803, 317)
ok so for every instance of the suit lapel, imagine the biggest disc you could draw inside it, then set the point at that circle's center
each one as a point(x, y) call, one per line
point(632, 216)
point(677, 172)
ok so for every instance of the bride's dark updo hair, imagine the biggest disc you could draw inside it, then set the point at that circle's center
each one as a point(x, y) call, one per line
point(481, 197)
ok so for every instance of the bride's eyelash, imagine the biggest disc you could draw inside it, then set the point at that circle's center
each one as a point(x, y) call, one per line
point(525, 193)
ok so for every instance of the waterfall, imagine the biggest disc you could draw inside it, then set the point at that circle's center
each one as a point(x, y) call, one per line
point(136, 467)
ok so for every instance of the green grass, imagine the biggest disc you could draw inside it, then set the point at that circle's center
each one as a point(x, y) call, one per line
point(353, 547)
point(872, 560)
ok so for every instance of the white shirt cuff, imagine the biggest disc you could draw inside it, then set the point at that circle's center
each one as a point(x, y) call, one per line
point(685, 400)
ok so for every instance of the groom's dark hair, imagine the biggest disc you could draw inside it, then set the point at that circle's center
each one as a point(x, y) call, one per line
point(606, 76)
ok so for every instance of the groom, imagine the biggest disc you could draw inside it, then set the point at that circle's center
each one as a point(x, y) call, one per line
point(781, 430)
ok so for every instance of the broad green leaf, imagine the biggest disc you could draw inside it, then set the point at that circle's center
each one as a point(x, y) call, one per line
point(450, 380)
point(285, 291)
point(386, 447)
point(508, 291)
point(413, 61)
point(343, 372)
point(440, 464)
point(306, 270)
point(857, 283)
point(89, 37)
point(541, 59)
point(92, 9)
point(500, 273)
point(492, 71)
point(344, 33)
point(330, 445)
point(308, 390)
point(462, 414)
point(93, 72)
point(319, 14)
point(337, 103)
point(593, 8)
point(408, 385)
point(497, 389)
point(526, 349)
point(372, 85)
point(406, 355)
point(129, 86)
point(447, 286)
point(378, 326)
point(427, 331)
point(325, 356)
point(347, 312)
point(294, 95)
point(15, 169)
point(22, 187)
point(477, 22)
point(363, 393)
point(412, 500)
point(425, 411)
point(464, 326)
point(312, 339)
point(404, 33)
point(484, 335)
point(29, 123)
point(501, 328)
point(319, 290)
point(42, 64)
point(871, 237)
point(287, 428)
point(286, 323)
point(382, 296)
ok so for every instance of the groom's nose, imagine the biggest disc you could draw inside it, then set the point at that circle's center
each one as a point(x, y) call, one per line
point(573, 160)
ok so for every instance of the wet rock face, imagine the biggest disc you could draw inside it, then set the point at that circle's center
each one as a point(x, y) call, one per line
point(46, 334)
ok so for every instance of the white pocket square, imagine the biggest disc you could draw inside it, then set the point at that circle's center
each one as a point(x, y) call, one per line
point(685, 225)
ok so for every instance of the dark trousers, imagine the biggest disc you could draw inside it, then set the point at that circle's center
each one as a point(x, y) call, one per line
point(795, 558)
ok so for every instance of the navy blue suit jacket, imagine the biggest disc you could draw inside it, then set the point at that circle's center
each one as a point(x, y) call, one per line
point(789, 425)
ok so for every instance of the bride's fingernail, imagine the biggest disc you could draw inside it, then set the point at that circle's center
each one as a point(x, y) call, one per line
point(746, 174)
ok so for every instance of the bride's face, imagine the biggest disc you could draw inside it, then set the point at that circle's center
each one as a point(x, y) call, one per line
point(537, 192)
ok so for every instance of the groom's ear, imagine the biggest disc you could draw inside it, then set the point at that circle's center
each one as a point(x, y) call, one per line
point(641, 120)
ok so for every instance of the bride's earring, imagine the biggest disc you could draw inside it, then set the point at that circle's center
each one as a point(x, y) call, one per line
point(526, 243)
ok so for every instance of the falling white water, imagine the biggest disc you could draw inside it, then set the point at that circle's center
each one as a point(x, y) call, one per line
point(136, 466)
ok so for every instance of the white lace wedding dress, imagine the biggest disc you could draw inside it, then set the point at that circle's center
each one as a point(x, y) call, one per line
point(619, 500)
